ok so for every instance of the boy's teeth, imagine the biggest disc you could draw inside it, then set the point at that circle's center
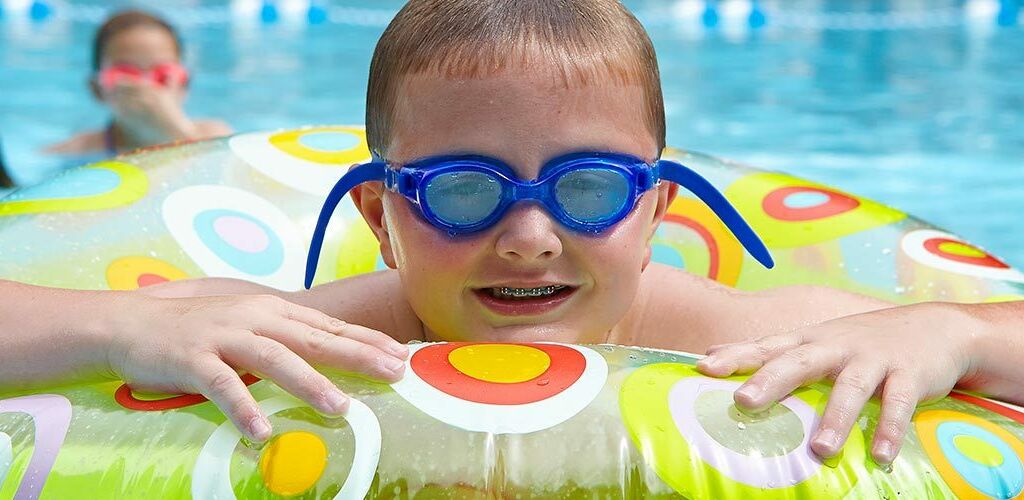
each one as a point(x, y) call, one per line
point(503, 292)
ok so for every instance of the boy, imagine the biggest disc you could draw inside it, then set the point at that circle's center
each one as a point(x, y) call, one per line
point(526, 87)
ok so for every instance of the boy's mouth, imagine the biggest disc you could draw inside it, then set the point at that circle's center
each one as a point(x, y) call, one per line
point(508, 293)
point(515, 301)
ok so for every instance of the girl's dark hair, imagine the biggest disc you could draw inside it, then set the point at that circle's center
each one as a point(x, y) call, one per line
point(5, 180)
point(123, 21)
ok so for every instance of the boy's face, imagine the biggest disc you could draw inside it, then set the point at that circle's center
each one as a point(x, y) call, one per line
point(524, 118)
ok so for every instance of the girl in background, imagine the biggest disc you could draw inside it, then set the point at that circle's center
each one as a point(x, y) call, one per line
point(137, 73)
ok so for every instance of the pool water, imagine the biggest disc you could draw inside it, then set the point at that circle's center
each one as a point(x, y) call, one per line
point(920, 107)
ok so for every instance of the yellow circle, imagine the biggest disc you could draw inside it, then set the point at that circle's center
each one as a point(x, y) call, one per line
point(293, 462)
point(954, 248)
point(289, 143)
point(500, 363)
point(978, 450)
point(123, 273)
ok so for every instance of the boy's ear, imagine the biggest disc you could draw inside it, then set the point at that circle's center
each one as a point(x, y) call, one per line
point(667, 192)
point(369, 200)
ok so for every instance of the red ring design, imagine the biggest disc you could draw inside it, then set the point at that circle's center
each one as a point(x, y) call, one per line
point(773, 204)
point(932, 246)
point(125, 398)
point(431, 364)
point(709, 240)
point(1005, 411)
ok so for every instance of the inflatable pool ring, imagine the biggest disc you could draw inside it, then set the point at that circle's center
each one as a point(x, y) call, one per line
point(535, 420)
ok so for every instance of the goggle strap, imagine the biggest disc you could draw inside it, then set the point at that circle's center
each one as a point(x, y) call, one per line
point(373, 171)
point(698, 185)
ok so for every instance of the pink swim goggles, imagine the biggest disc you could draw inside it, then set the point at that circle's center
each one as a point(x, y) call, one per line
point(162, 75)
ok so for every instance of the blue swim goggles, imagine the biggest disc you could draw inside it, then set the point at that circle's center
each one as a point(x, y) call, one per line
point(586, 192)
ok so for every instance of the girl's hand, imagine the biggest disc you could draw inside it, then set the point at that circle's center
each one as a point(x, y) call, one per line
point(905, 355)
point(199, 345)
point(153, 108)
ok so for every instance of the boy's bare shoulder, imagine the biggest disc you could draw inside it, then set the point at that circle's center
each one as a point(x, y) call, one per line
point(678, 310)
point(374, 300)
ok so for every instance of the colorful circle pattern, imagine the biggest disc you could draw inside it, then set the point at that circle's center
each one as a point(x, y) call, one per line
point(101, 186)
point(234, 233)
point(502, 388)
point(946, 252)
point(310, 159)
point(973, 456)
point(292, 462)
point(134, 272)
point(662, 404)
point(788, 212)
point(161, 402)
point(723, 252)
point(51, 416)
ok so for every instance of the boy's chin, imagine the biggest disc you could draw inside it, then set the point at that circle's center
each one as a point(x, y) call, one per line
point(531, 333)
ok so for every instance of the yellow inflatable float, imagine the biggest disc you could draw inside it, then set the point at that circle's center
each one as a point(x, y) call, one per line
point(540, 420)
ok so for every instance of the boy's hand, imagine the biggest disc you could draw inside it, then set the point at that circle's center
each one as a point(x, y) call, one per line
point(198, 345)
point(906, 355)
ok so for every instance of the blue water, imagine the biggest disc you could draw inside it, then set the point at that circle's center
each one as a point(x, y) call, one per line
point(918, 107)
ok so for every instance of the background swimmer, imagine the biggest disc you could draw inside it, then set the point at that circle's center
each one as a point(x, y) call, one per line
point(138, 74)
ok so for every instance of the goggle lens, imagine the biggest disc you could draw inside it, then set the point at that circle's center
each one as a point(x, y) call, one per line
point(463, 198)
point(592, 195)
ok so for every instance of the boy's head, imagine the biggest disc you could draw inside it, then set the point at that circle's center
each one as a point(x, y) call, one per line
point(576, 42)
point(520, 81)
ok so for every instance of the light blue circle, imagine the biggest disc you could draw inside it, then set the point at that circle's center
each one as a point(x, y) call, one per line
point(329, 141)
point(260, 263)
point(1005, 480)
point(76, 183)
point(805, 200)
point(664, 254)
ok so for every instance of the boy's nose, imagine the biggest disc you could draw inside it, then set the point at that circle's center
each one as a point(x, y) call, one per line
point(527, 235)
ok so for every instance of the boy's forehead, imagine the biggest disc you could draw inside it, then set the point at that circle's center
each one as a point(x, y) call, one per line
point(534, 112)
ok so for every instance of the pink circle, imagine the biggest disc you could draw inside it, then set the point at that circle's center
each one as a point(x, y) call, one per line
point(242, 234)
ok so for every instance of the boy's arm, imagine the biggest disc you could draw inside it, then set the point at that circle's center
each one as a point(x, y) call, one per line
point(193, 345)
point(906, 355)
point(374, 300)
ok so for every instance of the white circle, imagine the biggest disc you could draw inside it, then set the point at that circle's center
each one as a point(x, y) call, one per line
point(505, 419)
point(211, 475)
point(182, 206)
point(6, 456)
point(913, 245)
point(307, 176)
point(758, 471)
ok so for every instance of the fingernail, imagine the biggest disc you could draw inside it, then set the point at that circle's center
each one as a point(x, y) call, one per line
point(337, 403)
point(399, 350)
point(748, 395)
point(883, 453)
point(259, 428)
point(394, 364)
point(827, 441)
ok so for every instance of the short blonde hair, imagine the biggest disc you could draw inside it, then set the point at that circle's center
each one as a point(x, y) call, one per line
point(584, 39)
